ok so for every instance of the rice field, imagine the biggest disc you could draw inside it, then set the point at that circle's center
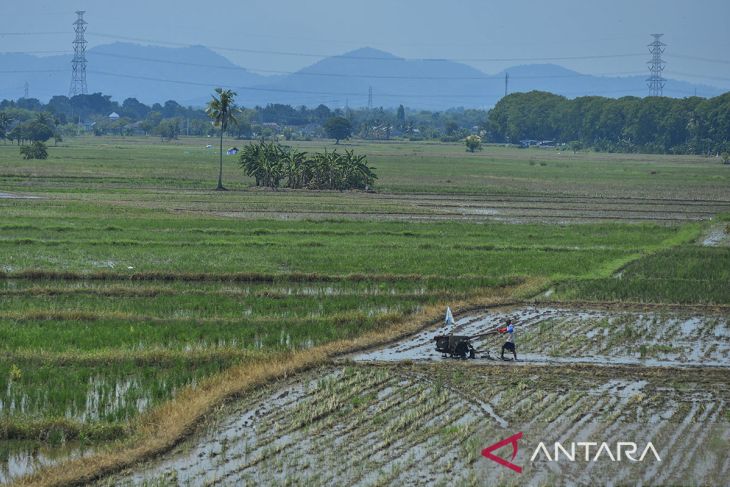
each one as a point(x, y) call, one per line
point(685, 274)
point(426, 424)
point(127, 284)
point(103, 163)
point(165, 313)
point(647, 336)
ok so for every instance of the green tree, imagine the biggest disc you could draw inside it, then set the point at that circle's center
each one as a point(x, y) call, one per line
point(16, 134)
point(40, 129)
point(451, 128)
point(5, 121)
point(36, 150)
point(223, 112)
point(169, 128)
point(401, 117)
point(338, 128)
point(473, 143)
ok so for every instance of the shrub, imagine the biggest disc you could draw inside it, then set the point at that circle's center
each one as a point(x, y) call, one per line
point(270, 163)
point(473, 143)
point(36, 150)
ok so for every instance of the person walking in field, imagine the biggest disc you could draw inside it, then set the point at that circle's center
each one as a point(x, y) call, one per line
point(509, 345)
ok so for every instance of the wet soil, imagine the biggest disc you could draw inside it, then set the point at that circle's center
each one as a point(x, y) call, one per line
point(549, 335)
point(402, 414)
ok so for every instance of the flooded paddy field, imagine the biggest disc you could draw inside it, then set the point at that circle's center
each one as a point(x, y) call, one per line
point(394, 423)
point(402, 414)
point(22, 456)
point(569, 335)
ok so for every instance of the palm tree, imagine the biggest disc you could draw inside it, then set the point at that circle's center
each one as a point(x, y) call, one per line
point(222, 110)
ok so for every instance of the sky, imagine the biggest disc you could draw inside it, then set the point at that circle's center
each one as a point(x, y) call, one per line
point(593, 37)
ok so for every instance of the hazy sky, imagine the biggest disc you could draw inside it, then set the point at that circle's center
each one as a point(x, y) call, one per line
point(478, 30)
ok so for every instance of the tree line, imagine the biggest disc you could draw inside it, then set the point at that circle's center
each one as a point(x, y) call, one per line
point(170, 120)
point(630, 124)
point(656, 124)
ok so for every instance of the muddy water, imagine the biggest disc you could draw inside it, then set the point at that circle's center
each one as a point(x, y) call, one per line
point(11, 196)
point(425, 424)
point(716, 237)
point(568, 336)
point(18, 458)
point(404, 415)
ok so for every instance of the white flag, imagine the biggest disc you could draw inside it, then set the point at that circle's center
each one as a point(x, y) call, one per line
point(449, 317)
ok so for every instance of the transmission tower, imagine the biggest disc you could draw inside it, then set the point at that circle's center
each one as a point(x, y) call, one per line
point(656, 66)
point(506, 84)
point(78, 74)
point(26, 89)
point(370, 98)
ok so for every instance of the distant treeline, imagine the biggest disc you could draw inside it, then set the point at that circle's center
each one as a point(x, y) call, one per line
point(660, 125)
point(656, 124)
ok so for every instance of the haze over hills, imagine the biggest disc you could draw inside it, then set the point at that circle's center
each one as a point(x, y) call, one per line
point(434, 84)
point(149, 73)
point(188, 75)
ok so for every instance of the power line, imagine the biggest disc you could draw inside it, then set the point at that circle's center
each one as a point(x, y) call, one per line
point(699, 76)
point(353, 94)
point(697, 58)
point(381, 58)
point(26, 71)
point(343, 75)
point(181, 44)
point(2, 34)
point(341, 94)
point(337, 75)
point(37, 52)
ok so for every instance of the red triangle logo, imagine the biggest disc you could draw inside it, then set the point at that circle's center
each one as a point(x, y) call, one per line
point(512, 440)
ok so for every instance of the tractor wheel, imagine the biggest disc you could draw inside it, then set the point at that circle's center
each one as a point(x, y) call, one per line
point(461, 350)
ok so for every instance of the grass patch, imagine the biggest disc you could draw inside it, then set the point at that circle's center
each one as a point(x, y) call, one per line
point(685, 274)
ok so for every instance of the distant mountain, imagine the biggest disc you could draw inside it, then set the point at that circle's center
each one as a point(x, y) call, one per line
point(562, 81)
point(188, 75)
point(336, 80)
point(46, 76)
point(149, 73)
point(440, 84)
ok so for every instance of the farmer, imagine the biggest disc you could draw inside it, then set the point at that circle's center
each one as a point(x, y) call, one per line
point(509, 345)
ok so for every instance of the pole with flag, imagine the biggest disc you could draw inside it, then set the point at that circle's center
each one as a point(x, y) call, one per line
point(449, 319)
